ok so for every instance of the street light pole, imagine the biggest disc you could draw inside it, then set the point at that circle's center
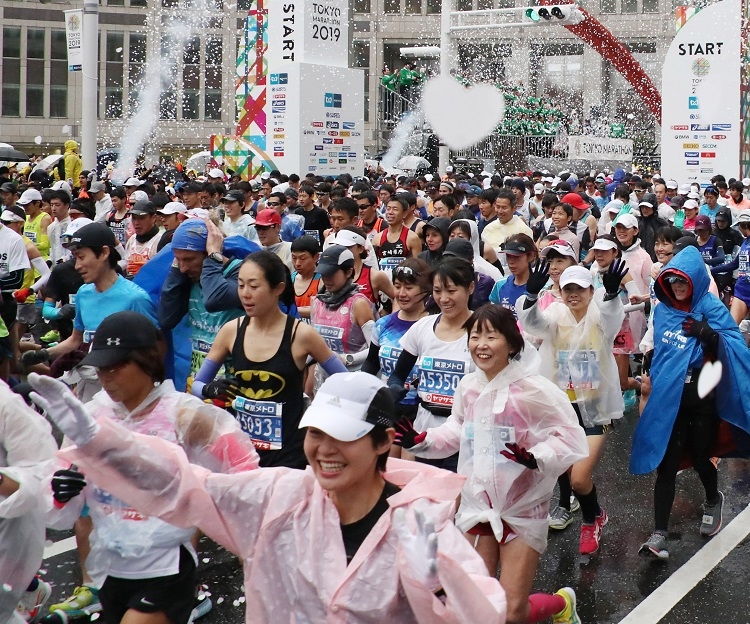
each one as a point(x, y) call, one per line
point(447, 62)
point(90, 72)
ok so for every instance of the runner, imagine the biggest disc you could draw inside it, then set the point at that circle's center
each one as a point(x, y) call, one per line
point(397, 241)
point(369, 279)
point(316, 220)
point(577, 355)
point(268, 226)
point(520, 253)
point(531, 437)
point(692, 329)
point(37, 221)
point(118, 219)
point(141, 247)
point(342, 540)
point(437, 346)
point(269, 350)
point(559, 255)
point(145, 568)
point(436, 236)
point(305, 279)
point(237, 222)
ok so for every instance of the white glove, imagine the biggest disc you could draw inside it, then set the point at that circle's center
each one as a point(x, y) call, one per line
point(56, 399)
point(420, 548)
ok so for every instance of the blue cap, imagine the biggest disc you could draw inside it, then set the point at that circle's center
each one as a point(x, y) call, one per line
point(191, 235)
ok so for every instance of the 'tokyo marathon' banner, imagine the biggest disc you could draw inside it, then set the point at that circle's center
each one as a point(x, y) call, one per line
point(701, 97)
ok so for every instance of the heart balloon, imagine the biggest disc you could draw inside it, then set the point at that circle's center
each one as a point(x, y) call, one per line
point(461, 117)
point(709, 378)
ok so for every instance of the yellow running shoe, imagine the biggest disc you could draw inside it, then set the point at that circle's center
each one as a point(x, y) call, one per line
point(568, 615)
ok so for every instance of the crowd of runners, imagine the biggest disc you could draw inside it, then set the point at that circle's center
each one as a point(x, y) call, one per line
point(380, 394)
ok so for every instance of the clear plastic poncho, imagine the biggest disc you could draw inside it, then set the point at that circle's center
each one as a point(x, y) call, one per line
point(125, 542)
point(27, 450)
point(577, 355)
point(520, 406)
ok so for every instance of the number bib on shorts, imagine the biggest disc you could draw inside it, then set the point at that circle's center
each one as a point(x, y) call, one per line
point(261, 420)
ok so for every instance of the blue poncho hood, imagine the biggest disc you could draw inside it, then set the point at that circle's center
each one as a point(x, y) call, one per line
point(674, 353)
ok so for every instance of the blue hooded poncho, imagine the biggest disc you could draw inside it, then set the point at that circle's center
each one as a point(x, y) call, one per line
point(674, 353)
point(617, 179)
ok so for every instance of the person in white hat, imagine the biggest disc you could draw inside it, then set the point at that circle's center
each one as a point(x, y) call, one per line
point(169, 217)
point(103, 202)
point(576, 353)
point(37, 221)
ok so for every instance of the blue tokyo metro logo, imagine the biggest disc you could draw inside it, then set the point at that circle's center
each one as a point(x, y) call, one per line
point(332, 100)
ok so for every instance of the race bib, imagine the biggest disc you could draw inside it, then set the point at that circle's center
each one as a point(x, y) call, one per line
point(88, 335)
point(388, 359)
point(314, 233)
point(439, 378)
point(581, 366)
point(333, 337)
point(388, 264)
point(261, 420)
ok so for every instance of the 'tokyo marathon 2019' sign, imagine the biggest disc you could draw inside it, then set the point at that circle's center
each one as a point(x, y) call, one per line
point(701, 97)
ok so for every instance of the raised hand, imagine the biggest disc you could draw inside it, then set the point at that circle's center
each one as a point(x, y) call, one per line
point(419, 547)
point(67, 484)
point(520, 455)
point(538, 276)
point(613, 276)
point(222, 389)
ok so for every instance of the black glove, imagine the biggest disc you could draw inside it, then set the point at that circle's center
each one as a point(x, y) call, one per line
point(538, 276)
point(398, 393)
point(223, 389)
point(67, 484)
point(647, 359)
point(406, 435)
point(67, 312)
point(703, 332)
point(613, 276)
point(520, 455)
point(29, 358)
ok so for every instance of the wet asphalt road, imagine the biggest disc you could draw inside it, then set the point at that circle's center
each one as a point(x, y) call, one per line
point(609, 585)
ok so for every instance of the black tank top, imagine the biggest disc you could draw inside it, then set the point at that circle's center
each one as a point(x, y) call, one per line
point(271, 406)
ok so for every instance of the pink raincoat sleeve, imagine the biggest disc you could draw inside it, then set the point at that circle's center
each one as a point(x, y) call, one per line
point(445, 440)
point(156, 478)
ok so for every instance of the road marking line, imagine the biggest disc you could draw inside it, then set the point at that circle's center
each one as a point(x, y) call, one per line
point(665, 597)
point(58, 548)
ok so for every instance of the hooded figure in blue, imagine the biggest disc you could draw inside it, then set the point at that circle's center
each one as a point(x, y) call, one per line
point(675, 353)
point(691, 326)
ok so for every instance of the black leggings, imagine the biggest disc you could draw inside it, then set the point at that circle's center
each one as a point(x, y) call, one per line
point(693, 434)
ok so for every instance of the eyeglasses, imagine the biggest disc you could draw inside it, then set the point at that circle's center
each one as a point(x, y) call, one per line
point(404, 271)
point(676, 279)
point(263, 228)
point(320, 193)
point(639, 191)
point(271, 204)
point(111, 370)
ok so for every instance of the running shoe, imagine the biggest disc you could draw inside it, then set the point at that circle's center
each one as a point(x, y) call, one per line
point(200, 609)
point(560, 518)
point(655, 546)
point(591, 534)
point(574, 504)
point(630, 399)
point(30, 606)
point(84, 601)
point(568, 615)
point(51, 336)
point(711, 523)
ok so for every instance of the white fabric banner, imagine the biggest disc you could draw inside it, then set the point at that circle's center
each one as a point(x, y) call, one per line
point(599, 148)
point(73, 32)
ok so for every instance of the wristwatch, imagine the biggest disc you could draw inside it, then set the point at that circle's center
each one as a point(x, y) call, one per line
point(216, 256)
point(349, 359)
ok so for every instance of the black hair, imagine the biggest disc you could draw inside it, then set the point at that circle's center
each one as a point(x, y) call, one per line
point(736, 186)
point(668, 234)
point(293, 178)
point(61, 195)
point(118, 191)
point(464, 213)
point(447, 200)
point(347, 205)
point(409, 198)
point(275, 272)
point(151, 359)
point(498, 318)
point(506, 193)
point(622, 191)
point(305, 243)
point(388, 188)
point(371, 198)
point(280, 196)
point(460, 224)
point(549, 199)
point(457, 270)
point(566, 207)
point(306, 188)
point(382, 408)
point(421, 273)
point(400, 201)
point(98, 251)
point(489, 195)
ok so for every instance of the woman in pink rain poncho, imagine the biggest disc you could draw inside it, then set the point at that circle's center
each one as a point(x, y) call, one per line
point(348, 540)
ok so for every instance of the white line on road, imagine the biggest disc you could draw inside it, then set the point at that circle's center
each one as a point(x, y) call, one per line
point(58, 548)
point(665, 597)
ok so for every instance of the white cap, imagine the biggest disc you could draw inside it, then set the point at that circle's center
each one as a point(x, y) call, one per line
point(62, 185)
point(428, 177)
point(11, 217)
point(133, 182)
point(538, 189)
point(486, 183)
point(646, 203)
point(604, 244)
point(265, 175)
point(684, 189)
point(745, 181)
point(560, 246)
point(347, 238)
point(96, 186)
point(340, 407)
point(576, 275)
point(693, 195)
point(173, 208)
point(216, 173)
point(76, 224)
point(449, 169)
point(628, 220)
point(556, 181)
point(691, 203)
point(170, 191)
point(614, 206)
point(280, 188)
point(743, 216)
point(28, 196)
point(671, 184)
point(197, 213)
point(137, 196)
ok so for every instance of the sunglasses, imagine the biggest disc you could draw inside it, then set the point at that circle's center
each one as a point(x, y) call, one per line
point(273, 204)
point(401, 272)
point(676, 279)
point(263, 228)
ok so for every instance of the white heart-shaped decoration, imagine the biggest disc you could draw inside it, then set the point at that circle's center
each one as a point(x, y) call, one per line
point(461, 117)
point(709, 378)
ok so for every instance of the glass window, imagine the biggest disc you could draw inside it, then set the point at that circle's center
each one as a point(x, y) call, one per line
point(628, 6)
point(360, 6)
point(138, 3)
point(413, 7)
point(608, 6)
point(243, 5)
point(465, 5)
point(485, 4)
point(170, 4)
point(506, 4)
point(192, 51)
point(433, 7)
point(114, 2)
point(58, 91)
point(35, 43)
point(59, 48)
point(137, 53)
point(213, 51)
point(115, 42)
point(392, 6)
point(212, 104)
point(168, 105)
point(359, 54)
point(11, 42)
point(113, 102)
point(650, 6)
point(11, 104)
point(190, 104)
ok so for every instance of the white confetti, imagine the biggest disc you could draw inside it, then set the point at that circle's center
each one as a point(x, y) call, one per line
point(236, 603)
point(206, 559)
point(94, 616)
point(7, 587)
point(241, 599)
point(220, 600)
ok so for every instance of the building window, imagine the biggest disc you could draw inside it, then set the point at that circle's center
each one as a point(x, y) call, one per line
point(35, 72)
point(465, 5)
point(359, 57)
point(392, 6)
point(485, 4)
point(360, 6)
point(136, 63)
point(11, 98)
point(650, 6)
point(191, 78)
point(58, 75)
point(212, 90)
point(506, 4)
point(243, 5)
point(608, 6)
point(138, 3)
point(433, 7)
point(113, 75)
point(115, 2)
point(628, 6)
point(168, 99)
point(413, 7)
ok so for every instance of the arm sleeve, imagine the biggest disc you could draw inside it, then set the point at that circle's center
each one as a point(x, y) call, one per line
point(372, 361)
point(359, 357)
point(404, 364)
point(205, 375)
point(718, 259)
point(219, 290)
point(175, 296)
point(42, 281)
point(611, 314)
point(730, 266)
point(50, 312)
point(445, 440)
point(333, 365)
point(41, 267)
point(13, 281)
